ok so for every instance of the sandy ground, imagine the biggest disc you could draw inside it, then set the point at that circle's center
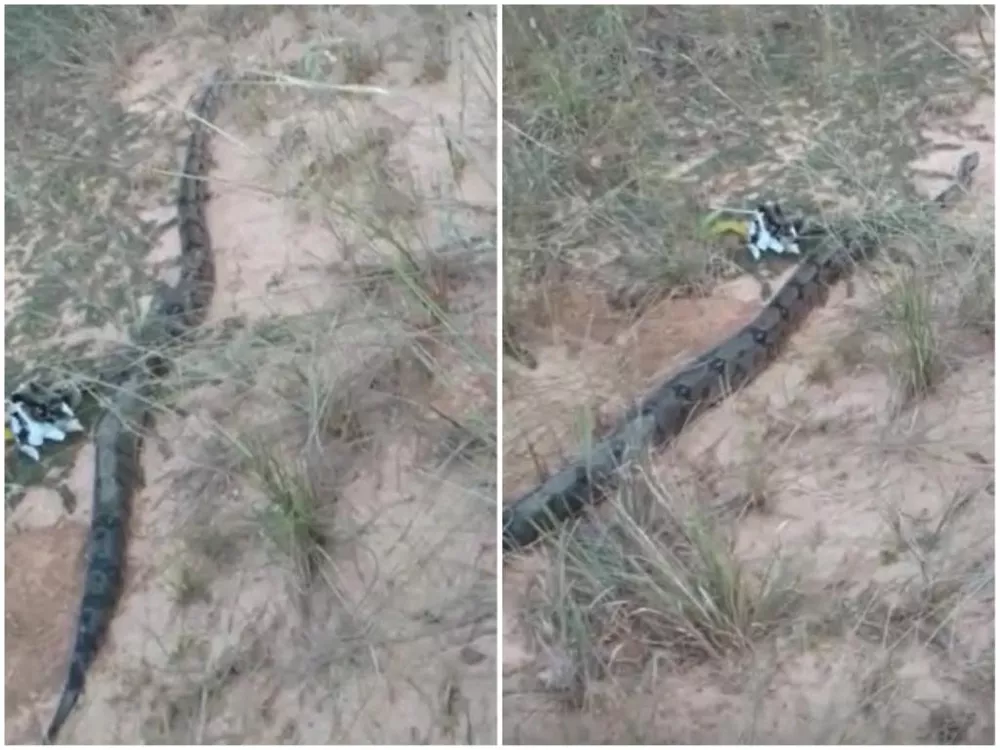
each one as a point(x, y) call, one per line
point(400, 646)
point(838, 466)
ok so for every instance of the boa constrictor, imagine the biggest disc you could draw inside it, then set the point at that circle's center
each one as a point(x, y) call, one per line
point(174, 311)
point(704, 381)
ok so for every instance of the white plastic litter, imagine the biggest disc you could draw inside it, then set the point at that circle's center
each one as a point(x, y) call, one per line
point(769, 232)
point(35, 416)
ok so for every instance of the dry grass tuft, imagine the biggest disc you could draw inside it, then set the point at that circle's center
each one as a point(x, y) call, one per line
point(657, 574)
point(917, 357)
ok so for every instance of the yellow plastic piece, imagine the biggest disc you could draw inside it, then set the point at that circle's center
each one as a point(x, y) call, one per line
point(728, 226)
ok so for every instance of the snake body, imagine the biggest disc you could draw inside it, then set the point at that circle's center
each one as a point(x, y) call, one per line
point(701, 383)
point(174, 311)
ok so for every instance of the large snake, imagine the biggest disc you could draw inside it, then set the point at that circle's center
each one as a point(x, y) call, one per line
point(173, 312)
point(701, 383)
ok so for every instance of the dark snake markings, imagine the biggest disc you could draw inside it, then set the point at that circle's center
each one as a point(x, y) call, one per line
point(117, 439)
point(664, 412)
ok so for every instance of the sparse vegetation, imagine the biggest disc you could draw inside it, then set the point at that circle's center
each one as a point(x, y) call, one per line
point(317, 482)
point(849, 596)
point(658, 573)
point(917, 355)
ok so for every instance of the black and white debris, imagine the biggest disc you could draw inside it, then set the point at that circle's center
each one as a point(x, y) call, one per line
point(35, 415)
point(769, 231)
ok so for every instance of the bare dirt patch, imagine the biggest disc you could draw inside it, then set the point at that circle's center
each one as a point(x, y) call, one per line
point(811, 561)
point(312, 557)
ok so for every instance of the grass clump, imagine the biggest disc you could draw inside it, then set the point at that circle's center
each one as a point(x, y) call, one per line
point(657, 575)
point(917, 359)
point(293, 518)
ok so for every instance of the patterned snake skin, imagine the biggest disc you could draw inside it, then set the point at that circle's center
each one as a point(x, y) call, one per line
point(702, 383)
point(117, 438)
